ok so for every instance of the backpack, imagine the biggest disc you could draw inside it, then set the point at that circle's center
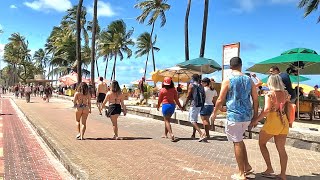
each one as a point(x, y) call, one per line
point(198, 95)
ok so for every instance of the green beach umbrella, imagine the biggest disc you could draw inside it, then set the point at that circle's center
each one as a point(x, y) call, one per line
point(204, 65)
point(292, 78)
point(307, 60)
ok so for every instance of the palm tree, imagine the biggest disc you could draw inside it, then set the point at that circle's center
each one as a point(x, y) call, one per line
point(204, 28)
point(17, 53)
point(78, 41)
point(70, 20)
point(154, 9)
point(186, 31)
point(144, 47)
point(41, 59)
point(93, 42)
point(117, 39)
point(309, 6)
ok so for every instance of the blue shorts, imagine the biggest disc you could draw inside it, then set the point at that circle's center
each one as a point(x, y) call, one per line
point(168, 109)
point(206, 110)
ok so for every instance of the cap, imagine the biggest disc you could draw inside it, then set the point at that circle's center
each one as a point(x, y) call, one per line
point(207, 80)
point(316, 86)
point(167, 81)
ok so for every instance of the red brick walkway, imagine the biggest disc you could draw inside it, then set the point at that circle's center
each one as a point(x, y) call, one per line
point(143, 154)
point(23, 156)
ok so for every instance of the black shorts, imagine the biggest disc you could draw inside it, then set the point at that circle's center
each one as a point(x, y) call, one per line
point(101, 97)
point(113, 109)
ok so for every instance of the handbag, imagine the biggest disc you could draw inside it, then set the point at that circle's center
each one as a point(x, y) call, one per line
point(290, 110)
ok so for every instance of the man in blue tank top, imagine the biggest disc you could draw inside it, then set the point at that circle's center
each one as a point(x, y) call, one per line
point(237, 91)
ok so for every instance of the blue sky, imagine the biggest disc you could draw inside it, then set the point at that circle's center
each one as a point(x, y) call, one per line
point(265, 28)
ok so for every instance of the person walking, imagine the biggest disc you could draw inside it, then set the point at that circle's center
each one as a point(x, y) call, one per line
point(115, 99)
point(101, 94)
point(286, 81)
point(237, 91)
point(47, 92)
point(28, 91)
point(82, 103)
point(197, 96)
point(41, 89)
point(168, 97)
point(276, 125)
point(206, 111)
point(141, 89)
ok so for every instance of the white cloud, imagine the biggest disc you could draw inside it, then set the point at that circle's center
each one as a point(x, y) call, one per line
point(103, 9)
point(246, 6)
point(284, 1)
point(1, 50)
point(45, 5)
point(12, 6)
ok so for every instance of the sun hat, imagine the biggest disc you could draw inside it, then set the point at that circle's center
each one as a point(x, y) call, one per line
point(167, 81)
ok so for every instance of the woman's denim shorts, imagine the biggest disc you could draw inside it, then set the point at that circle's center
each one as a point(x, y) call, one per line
point(206, 110)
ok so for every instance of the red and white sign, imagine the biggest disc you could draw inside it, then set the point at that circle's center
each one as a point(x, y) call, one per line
point(229, 51)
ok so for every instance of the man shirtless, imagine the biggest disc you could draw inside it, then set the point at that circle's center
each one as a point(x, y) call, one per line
point(101, 93)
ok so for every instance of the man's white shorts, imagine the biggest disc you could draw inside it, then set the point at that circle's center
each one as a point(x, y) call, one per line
point(235, 130)
point(194, 114)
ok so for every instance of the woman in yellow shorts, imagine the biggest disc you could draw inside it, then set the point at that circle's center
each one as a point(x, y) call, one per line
point(276, 125)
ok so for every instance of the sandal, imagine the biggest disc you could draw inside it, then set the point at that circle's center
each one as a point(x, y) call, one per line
point(249, 172)
point(236, 177)
point(174, 139)
point(269, 175)
point(203, 138)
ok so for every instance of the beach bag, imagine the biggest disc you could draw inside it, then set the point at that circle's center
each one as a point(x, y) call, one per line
point(290, 110)
point(198, 95)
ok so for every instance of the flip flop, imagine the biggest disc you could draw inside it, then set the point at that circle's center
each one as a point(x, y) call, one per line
point(235, 177)
point(249, 172)
point(174, 139)
point(269, 175)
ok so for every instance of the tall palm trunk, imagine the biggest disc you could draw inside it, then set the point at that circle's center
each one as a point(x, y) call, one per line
point(14, 73)
point(78, 42)
point(106, 58)
point(52, 72)
point(93, 42)
point(204, 28)
point(186, 31)
point(113, 75)
point(145, 68)
point(152, 51)
point(97, 67)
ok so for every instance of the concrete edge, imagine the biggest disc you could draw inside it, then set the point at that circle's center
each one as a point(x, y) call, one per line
point(58, 153)
point(294, 139)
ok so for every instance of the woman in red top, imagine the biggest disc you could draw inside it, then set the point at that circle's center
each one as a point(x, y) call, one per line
point(168, 96)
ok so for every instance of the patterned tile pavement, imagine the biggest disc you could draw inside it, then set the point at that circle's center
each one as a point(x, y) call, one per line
point(142, 154)
point(22, 155)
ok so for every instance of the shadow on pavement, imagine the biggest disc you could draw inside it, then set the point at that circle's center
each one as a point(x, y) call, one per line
point(120, 138)
point(5, 114)
point(214, 138)
point(218, 138)
point(314, 176)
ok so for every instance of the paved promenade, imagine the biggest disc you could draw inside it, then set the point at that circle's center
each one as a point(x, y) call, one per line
point(143, 154)
point(23, 155)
